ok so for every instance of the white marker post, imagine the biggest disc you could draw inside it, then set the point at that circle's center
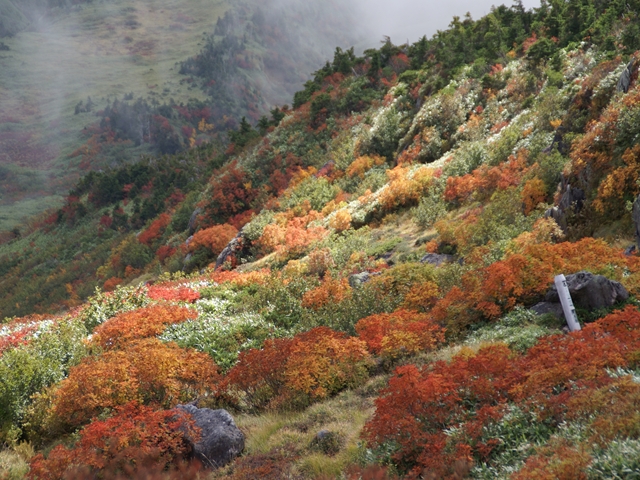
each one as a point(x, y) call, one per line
point(567, 303)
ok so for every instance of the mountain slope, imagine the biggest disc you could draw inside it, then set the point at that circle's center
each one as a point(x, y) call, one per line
point(379, 246)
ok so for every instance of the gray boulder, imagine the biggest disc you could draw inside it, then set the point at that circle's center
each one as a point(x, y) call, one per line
point(359, 279)
point(590, 292)
point(543, 308)
point(625, 78)
point(235, 246)
point(221, 440)
point(437, 259)
point(572, 199)
point(191, 227)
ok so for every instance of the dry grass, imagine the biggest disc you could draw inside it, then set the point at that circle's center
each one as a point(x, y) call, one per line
point(344, 416)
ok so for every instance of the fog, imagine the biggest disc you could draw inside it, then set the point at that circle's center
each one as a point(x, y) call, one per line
point(409, 20)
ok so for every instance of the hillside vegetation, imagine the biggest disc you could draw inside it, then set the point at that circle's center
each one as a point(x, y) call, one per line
point(290, 275)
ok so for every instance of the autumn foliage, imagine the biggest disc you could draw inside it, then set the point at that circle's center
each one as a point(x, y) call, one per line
point(482, 182)
point(309, 366)
point(213, 238)
point(138, 324)
point(135, 440)
point(331, 290)
point(472, 391)
point(147, 372)
point(403, 332)
point(173, 294)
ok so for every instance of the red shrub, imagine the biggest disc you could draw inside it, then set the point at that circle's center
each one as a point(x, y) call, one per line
point(400, 332)
point(311, 365)
point(124, 444)
point(155, 230)
point(173, 294)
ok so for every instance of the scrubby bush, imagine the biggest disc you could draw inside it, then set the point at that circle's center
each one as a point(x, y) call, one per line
point(148, 372)
point(29, 369)
point(223, 337)
point(146, 322)
point(134, 441)
point(103, 306)
point(307, 367)
point(400, 333)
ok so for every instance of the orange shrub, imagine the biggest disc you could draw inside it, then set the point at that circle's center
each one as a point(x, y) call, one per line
point(422, 296)
point(293, 238)
point(241, 279)
point(172, 294)
point(112, 283)
point(405, 188)
point(341, 221)
point(309, 366)
point(331, 290)
point(128, 443)
point(564, 378)
point(362, 165)
point(403, 332)
point(483, 181)
point(562, 462)
point(214, 238)
point(418, 405)
point(141, 323)
point(149, 372)
point(534, 192)
point(620, 183)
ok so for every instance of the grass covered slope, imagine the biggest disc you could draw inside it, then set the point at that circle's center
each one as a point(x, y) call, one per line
point(324, 313)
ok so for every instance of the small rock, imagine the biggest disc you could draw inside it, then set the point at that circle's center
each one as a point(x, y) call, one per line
point(221, 440)
point(235, 246)
point(326, 442)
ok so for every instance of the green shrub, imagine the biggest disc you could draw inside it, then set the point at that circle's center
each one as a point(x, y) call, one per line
point(222, 337)
point(621, 459)
point(102, 306)
point(318, 191)
point(431, 207)
point(30, 368)
point(518, 329)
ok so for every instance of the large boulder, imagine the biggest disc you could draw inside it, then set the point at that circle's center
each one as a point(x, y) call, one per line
point(235, 247)
point(220, 441)
point(572, 199)
point(590, 292)
point(625, 78)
